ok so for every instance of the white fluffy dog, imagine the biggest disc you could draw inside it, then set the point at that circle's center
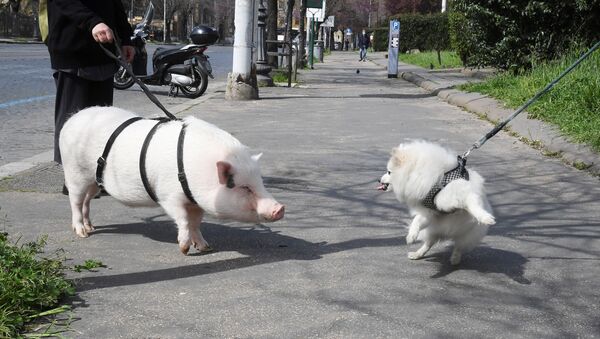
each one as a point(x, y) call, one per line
point(459, 211)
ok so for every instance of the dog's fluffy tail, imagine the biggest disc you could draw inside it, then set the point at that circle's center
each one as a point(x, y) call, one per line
point(477, 208)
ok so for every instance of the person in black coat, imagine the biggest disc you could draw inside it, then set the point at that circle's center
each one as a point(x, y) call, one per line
point(364, 41)
point(83, 73)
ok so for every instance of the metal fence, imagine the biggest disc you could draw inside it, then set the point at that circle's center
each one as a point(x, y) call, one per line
point(13, 25)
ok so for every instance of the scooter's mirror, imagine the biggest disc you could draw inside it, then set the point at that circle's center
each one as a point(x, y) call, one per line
point(149, 15)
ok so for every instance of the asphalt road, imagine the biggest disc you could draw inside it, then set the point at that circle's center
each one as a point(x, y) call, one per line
point(27, 97)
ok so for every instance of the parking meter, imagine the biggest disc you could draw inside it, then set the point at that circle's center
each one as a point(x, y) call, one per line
point(393, 44)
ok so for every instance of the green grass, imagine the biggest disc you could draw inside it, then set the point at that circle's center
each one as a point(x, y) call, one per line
point(280, 75)
point(30, 285)
point(88, 265)
point(573, 105)
point(426, 59)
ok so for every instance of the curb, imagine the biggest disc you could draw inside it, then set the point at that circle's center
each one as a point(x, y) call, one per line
point(24, 42)
point(536, 133)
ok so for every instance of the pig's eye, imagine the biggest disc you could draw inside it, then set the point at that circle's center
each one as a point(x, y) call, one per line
point(388, 172)
point(247, 189)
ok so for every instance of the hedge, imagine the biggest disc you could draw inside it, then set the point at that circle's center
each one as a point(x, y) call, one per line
point(515, 34)
point(426, 32)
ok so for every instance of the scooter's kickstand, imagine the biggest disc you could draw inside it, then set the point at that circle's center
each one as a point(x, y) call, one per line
point(174, 90)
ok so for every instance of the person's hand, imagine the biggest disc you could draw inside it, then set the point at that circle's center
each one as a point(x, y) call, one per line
point(128, 52)
point(102, 33)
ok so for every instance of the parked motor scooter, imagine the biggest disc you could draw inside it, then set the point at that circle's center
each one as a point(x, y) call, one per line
point(184, 68)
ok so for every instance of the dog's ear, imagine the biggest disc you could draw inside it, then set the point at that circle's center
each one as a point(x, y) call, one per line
point(397, 156)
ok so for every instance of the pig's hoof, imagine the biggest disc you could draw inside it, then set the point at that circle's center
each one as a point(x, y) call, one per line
point(206, 249)
point(184, 249)
point(79, 230)
point(89, 228)
point(82, 233)
point(203, 248)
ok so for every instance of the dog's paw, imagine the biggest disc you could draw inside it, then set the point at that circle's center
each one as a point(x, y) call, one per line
point(488, 220)
point(455, 259)
point(411, 237)
point(414, 255)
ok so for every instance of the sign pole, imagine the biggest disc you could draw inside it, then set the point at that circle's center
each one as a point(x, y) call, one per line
point(393, 45)
point(316, 5)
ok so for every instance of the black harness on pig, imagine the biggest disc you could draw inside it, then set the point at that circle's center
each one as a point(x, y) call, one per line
point(142, 162)
point(170, 117)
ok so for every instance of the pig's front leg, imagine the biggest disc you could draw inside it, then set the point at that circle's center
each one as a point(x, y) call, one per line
point(187, 219)
point(195, 215)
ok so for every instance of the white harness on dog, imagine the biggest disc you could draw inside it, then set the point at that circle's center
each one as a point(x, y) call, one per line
point(459, 172)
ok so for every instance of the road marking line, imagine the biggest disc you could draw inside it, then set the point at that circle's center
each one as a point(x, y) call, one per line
point(24, 101)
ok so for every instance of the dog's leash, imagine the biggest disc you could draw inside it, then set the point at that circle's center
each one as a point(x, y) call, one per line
point(127, 67)
point(501, 125)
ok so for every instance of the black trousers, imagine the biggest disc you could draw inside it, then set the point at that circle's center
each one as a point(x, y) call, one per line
point(74, 94)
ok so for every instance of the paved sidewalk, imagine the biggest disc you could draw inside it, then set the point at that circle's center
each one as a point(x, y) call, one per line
point(336, 266)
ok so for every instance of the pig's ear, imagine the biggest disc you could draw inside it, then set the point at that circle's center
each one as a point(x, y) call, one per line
point(224, 171)
point(257, 157)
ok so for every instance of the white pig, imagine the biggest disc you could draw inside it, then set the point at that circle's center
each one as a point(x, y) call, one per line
point(210, 155)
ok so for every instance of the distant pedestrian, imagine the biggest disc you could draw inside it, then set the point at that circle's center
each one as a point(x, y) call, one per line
point(82, 72)
point(364, 40)
point(346, 43)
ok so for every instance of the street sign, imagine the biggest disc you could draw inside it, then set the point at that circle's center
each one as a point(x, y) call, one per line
point(314, 3)
point(329, 22)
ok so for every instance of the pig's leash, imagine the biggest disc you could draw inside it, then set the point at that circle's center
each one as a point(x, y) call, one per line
point(127, 67)
point(142, 159)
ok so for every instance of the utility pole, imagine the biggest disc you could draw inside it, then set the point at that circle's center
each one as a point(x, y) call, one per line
point(241, 82)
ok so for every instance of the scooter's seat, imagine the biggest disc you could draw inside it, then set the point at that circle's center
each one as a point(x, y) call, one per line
point(166, 50)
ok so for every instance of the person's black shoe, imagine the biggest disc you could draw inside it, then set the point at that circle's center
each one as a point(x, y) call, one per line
point(102, 193)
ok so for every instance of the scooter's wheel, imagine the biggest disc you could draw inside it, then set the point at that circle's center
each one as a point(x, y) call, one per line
point(122, 79)
point(201, 84)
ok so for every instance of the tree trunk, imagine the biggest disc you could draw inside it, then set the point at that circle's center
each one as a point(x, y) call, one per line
point(288, 28)
point(183, 22)
point(168, 31)
point(272, 31)
point(302, 36)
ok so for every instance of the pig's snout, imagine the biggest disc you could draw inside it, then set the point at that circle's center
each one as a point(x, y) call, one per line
point(278, 212)
point(273, 212)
